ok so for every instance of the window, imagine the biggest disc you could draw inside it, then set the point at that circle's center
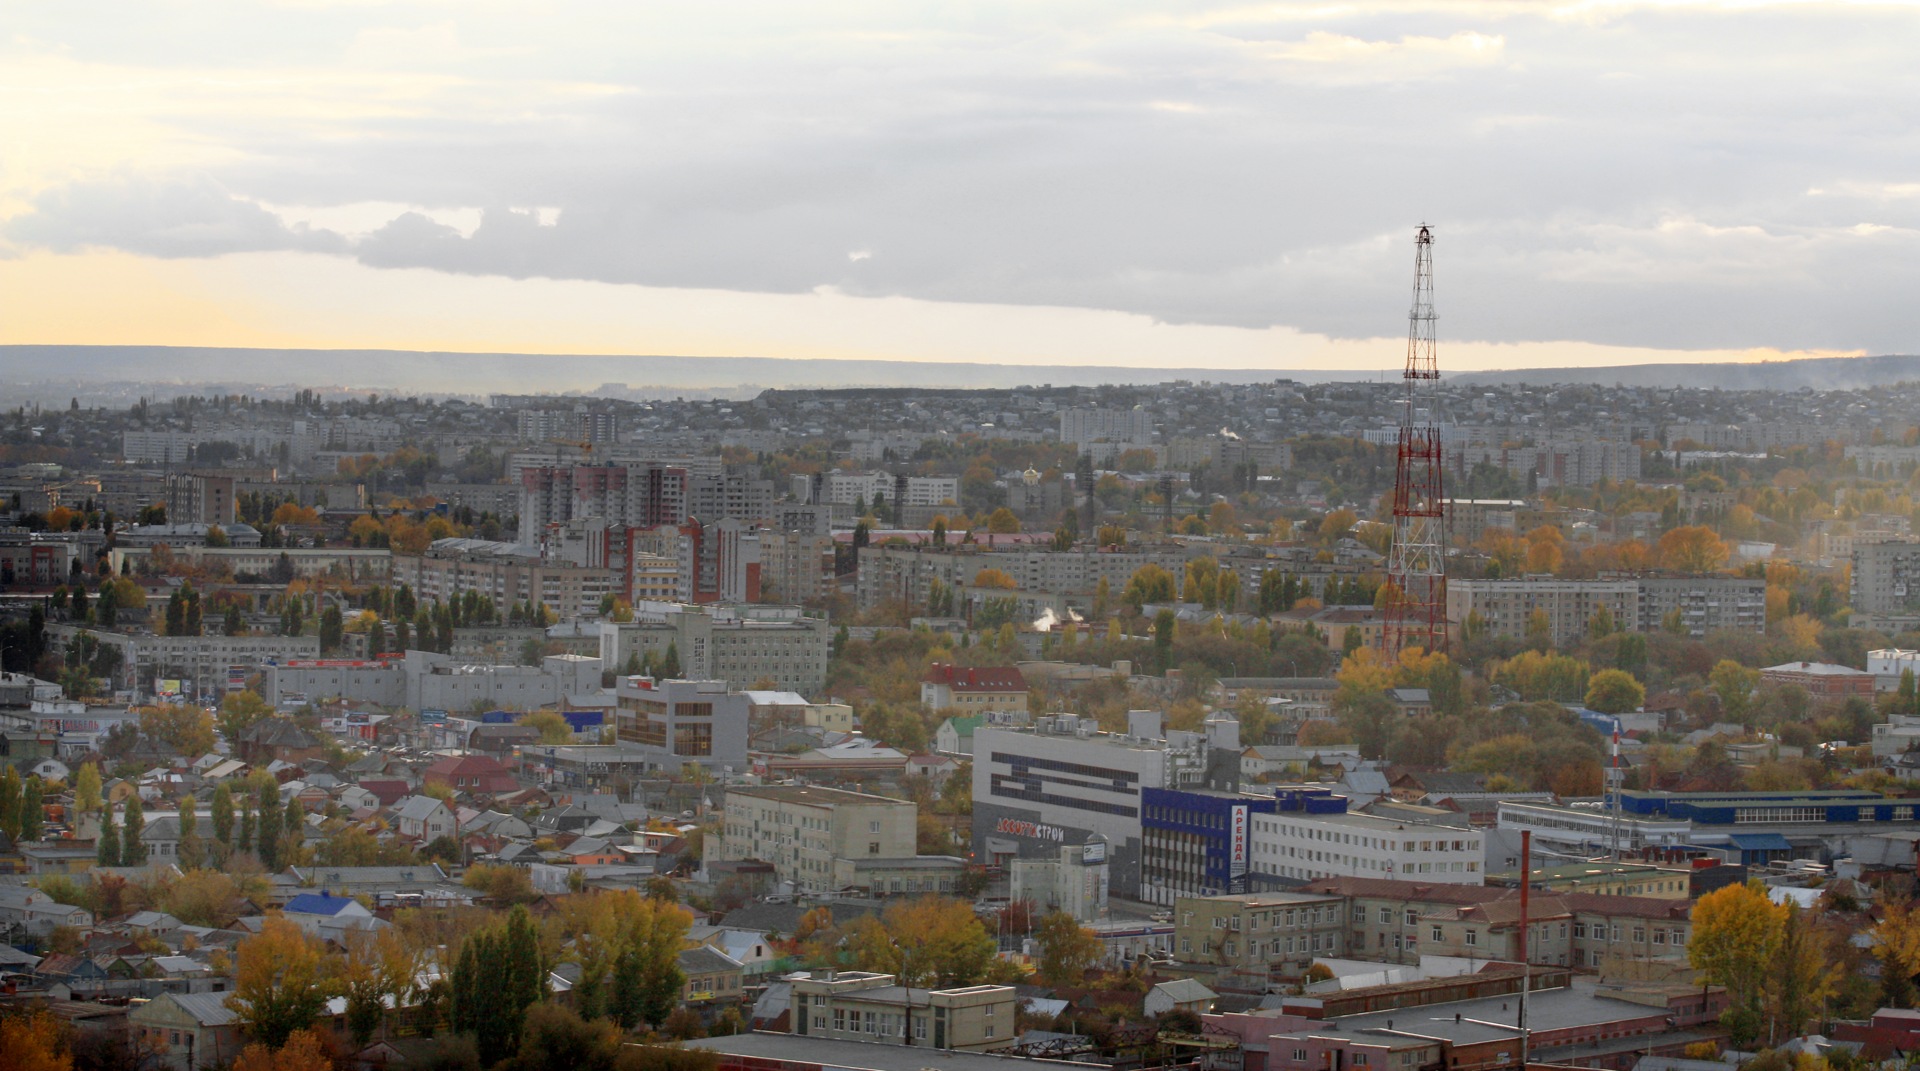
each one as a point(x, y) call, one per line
point(920, 1027)
point(873, 847)
point(989, 1031)
point(1386, 916)
point(1437, 935)
point(1186, 944)
point(988, 1012)
point(1359, 1059)
point(873, 826)
point(1473, 937)
point(1300, 1055)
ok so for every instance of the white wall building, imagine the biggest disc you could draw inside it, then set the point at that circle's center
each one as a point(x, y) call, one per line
point(1303, 846)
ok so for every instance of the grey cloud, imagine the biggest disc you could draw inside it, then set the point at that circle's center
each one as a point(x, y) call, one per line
point(162, 219)
point(1641, 181)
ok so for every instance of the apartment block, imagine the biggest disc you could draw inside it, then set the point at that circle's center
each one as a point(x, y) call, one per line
point(742, 645)
point(1506, 607)
point(1705, 603)
point(1082, 426)
point(1886, 580)
point(810, 834)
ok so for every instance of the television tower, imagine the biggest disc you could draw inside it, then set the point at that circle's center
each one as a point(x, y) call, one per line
point(1417, 563)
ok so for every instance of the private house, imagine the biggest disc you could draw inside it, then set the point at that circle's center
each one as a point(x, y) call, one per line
point(188, 1031)
point(472, 774)
point(423, 819)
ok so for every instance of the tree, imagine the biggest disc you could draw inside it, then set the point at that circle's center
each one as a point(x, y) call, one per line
point(331, 628)
point(266, 831)
point(1002, 521)
point(1149, 584)
point(281, 982)
point(107, 850)
point(303, 1051)
point(33, 814)
point(1736, 938)
point(502, 884)
point(1614, 691)
point(556, 1037)
point(1692, 549)
point(222, 815)
point(207, 897)
point(1736, 686)
point(1896, 941)
point(1067, 950)
point(994, 578)
point(181, 728)
point(133, 846)
point(34, 1039)
point(1535, 676)
point(233, 624)
point(551, 725)
point(1805, 976)
point(932, 939)
point(240, 711)
point(86, 789)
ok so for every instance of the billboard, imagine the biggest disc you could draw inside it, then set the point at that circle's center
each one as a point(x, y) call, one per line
point(166, 687)
point(1237, 852)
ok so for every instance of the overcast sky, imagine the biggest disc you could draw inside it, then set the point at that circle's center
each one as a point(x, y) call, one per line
point(1110, 182)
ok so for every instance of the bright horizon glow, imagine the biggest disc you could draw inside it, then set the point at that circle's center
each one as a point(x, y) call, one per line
point(257, 301)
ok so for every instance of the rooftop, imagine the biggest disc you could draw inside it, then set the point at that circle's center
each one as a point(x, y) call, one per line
point(816, 796)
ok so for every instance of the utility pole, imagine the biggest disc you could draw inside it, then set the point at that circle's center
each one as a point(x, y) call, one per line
point(1417, 562)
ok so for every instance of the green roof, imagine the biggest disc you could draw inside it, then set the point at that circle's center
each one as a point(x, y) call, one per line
point(964, 726)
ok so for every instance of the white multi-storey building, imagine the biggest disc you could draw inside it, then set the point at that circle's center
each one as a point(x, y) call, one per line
point(1082, 426)
point(1302, 844)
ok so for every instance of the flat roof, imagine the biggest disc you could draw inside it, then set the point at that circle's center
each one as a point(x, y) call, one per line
point(867, 1056)
point(1582, 1003)
point(813, 795)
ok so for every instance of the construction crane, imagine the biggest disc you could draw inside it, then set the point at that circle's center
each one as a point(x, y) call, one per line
point(1416, 603)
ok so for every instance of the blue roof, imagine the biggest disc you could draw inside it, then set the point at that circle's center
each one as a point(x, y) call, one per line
point(1759, 842)
point(318, 904)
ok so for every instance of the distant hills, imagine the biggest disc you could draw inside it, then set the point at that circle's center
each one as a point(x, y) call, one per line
point(511, 373)
point(50, 374)
point(1819, 373)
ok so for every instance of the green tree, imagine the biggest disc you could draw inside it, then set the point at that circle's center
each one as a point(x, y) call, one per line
point(222, 815)
point(1736, 686)
point(267, 829)
point(193, 851)
point(10, 791)
point(33, 815)
point(108, 851)
point(133, 846)
point(332, 630)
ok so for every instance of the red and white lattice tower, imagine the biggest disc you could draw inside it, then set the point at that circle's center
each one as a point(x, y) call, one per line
point(1417, 564)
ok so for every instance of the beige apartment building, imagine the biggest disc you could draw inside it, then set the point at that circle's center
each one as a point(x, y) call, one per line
point(860, 1006)
point(813, 836)
point(1260, 935)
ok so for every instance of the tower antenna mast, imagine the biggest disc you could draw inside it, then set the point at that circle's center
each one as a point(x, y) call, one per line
point(1416, 603)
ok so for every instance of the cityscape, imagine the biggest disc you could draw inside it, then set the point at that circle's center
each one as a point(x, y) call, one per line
point(802, 539)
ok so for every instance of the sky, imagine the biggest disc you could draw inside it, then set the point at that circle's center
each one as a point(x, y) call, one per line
point(1200, 185)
